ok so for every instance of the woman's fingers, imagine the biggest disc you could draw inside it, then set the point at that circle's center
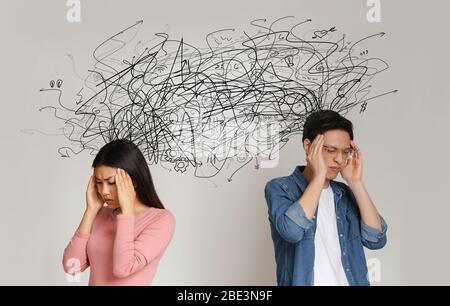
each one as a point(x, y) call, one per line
point(91, 184)
point(118, 180)
point(128, 180)
point(124, 179)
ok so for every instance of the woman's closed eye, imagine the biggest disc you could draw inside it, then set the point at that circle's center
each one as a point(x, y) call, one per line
point(110, 183)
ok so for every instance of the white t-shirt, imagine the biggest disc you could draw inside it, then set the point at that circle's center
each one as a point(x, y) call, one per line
point(328, 270)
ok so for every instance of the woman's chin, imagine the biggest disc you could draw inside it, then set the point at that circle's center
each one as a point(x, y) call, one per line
point(112, 205)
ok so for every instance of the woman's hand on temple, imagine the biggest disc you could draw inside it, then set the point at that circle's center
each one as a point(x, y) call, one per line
point(125, 192)
point(94, 201)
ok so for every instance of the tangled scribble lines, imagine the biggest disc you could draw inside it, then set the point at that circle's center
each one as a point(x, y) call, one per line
point(237, 99)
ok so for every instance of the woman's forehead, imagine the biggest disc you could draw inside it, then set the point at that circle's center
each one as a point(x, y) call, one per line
point(104, 171)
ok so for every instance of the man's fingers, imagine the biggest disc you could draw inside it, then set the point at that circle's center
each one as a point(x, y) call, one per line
point(313, 145)
point(358, 155)
point(318, 145)
point(358, 151)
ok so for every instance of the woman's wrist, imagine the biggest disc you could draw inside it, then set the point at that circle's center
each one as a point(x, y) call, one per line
point(91, 211)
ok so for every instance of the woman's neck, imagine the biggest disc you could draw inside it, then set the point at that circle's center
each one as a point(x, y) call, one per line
point(138, 208)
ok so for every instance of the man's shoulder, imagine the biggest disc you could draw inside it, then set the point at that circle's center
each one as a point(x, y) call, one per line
point(283, 185)
point(283, 181)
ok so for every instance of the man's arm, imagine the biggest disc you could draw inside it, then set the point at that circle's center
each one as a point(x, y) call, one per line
point(373, 226)
point(315, 173)
point(310, 198)
point(368, 211)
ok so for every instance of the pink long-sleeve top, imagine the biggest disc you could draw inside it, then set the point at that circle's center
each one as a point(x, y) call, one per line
point(121, 249)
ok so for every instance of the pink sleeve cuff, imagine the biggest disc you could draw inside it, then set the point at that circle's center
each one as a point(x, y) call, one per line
point(81, 235)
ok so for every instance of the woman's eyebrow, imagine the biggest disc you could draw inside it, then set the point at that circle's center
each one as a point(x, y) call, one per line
point(105, 178)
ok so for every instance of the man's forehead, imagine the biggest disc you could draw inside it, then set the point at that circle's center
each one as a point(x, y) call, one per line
point(337, 142)
point(339, 137)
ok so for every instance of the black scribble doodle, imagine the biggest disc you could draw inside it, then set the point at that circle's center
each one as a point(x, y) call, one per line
point(216, 108)
point(363, 107)
point(34, 132)
point(322, 33)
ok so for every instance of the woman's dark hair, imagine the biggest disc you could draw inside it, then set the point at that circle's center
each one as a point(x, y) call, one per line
point(124, 154)
point(321, 121)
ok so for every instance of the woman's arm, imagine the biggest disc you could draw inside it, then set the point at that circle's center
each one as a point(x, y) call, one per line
point(75, 257)
point(131, 255)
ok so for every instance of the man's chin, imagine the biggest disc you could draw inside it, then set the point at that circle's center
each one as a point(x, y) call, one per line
point(332, 176)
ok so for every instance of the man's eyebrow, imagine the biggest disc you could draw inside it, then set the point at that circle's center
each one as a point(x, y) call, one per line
point(105, 178)
point(348, 148)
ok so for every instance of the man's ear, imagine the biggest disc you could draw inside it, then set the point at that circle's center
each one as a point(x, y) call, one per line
point(306, 145)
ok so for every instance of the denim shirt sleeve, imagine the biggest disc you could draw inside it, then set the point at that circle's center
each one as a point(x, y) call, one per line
point(286, 215)
point(373, 238)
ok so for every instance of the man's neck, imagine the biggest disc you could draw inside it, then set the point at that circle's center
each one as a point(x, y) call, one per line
point(308, 174)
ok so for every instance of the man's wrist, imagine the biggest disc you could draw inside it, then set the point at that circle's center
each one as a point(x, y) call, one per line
point(355, 184)
point(319, 179)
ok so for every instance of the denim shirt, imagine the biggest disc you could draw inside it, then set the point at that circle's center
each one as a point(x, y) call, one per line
point(293, 233)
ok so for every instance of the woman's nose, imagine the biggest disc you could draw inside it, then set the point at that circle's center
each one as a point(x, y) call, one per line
point(105, 190)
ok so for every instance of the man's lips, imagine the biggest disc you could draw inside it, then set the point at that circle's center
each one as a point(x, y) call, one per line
point(336, 169)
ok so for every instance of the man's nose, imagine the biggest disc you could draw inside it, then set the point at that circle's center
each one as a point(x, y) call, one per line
point(339, 157)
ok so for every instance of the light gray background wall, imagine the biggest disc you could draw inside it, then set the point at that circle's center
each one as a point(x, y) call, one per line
point(222, 235)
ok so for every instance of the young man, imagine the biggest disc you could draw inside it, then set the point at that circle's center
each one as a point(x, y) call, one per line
point(319, 226)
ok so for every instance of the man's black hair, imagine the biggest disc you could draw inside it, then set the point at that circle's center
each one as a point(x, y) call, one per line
point(322, 121)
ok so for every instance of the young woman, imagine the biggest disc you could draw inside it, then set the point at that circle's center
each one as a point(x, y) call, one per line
point(123, 241)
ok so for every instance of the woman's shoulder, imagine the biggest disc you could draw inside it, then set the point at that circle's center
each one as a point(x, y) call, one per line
point(159, 217)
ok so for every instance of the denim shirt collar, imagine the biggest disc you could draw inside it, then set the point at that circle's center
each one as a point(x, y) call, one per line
point(303, 183)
